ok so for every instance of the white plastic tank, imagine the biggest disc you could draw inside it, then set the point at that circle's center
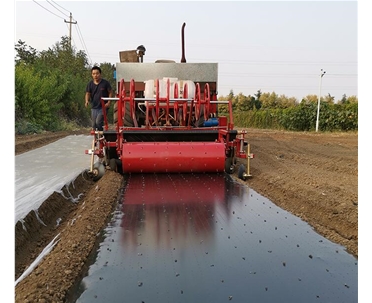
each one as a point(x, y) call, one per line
point(150, 91)
point(150, 88)
point(190, 88)
point(163, 87)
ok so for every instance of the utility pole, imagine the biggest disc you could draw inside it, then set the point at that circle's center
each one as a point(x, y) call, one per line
point(320, 89)
point(71, 22)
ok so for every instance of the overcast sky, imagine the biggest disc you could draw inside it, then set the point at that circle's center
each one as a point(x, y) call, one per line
point(272, 46)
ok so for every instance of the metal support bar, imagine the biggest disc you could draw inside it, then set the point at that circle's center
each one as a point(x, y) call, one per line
point(248, 174)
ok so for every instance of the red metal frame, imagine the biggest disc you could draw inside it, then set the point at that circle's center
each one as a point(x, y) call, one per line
point(159, 103)
point(160, 112)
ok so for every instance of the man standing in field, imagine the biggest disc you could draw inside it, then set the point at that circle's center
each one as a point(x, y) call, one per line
point(96, 89)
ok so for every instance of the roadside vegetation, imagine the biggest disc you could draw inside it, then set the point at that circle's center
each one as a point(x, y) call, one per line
point(271, 111)
point(50, 88)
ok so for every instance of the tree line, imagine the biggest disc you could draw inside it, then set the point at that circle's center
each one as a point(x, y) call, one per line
point(50, 88)
point(273, 111)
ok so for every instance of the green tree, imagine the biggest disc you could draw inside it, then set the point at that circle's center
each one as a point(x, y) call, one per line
point(24, 53)
point(269, 100)
point(230, 96)
point(285, 102)
point(50, 86)
point(257, 101)
point(310, 99)
point(242, 102)
point(348, 100)
point(108, 73)
point(329, 98)
point(223, 108)
point(65, 57)
point(352, 100)
point(343, 99)
point(37, 97)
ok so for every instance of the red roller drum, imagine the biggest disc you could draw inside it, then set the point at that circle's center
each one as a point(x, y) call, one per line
point(173, 157)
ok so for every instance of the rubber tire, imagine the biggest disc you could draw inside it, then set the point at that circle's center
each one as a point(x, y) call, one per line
point(112, 152)
point(228, 166)
point(99, 170)
point(200, 122)
point(128, 121)
point(119, 166)
point(241, 172)
point(113, 165)
point(115, 110)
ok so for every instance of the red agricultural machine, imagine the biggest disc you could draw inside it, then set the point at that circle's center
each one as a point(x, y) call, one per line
point(166, 120)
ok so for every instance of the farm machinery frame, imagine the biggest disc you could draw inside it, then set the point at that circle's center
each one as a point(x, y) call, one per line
point(166, 120)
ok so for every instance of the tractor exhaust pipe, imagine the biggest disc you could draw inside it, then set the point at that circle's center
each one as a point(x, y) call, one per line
point(183, 59)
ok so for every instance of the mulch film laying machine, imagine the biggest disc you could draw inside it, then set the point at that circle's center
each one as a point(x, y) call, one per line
point(166, 121)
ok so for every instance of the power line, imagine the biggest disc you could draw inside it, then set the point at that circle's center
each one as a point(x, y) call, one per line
point(60, 6)
point(71, 21)
point(83, 43)
point(47, 9)
point(288, 75)
point(57, 9)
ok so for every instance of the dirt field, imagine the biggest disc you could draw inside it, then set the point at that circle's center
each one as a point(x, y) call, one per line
point(312, 175)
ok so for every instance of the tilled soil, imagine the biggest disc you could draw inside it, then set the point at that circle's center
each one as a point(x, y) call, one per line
point(312, 175)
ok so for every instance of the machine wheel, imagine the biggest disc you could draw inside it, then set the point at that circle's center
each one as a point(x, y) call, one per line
point(112, 152)
point(98, 171)
point(113, 165)
point(128, 121)
point(115, 112)
point(119, 166)
point(201, 120)
point(228, 166)
point(241, 172)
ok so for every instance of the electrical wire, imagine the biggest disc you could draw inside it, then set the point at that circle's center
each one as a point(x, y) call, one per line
point(83, 42)
point(60, 6)
point(57, 9)
point(48, 10)
point(77, 26)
